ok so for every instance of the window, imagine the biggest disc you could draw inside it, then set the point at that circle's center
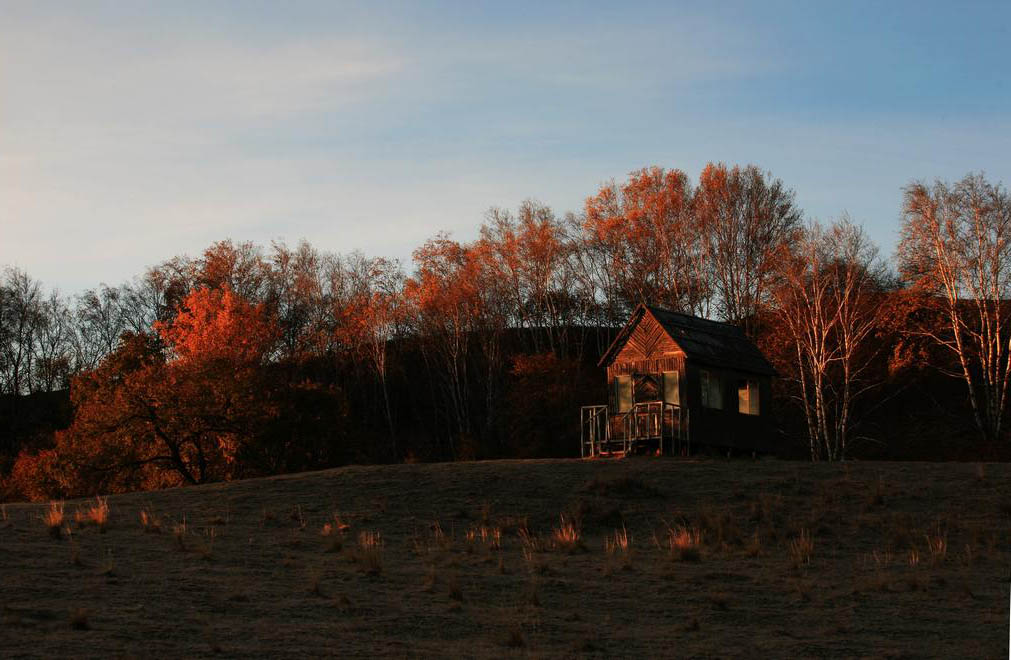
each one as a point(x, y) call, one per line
point(623, 393)
point(712, 392)
point(747, 397)
point(672, 387)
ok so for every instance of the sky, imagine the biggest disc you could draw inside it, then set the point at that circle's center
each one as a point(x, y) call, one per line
point(134, 132)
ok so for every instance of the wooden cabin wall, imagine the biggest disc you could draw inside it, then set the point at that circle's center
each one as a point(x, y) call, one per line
point(648, 350)
point(728, 428)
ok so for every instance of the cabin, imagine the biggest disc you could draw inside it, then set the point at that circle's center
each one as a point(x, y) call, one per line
point(677, 384)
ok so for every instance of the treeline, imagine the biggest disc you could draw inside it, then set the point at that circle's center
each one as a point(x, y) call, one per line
point(248, 360)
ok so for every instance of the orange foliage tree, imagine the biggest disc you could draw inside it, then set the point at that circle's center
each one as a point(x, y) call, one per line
point(649, 242)
point(444, 305)
point(528, 263)
point(745, 218)
point(371, 317)
point(177, 407)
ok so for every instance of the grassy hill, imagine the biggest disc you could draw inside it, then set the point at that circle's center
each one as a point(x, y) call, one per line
point(474, 559)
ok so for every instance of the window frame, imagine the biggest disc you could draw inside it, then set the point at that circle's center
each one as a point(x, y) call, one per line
point(711, 384)
point(675, 377)
point(753, 389)
point(618, 381)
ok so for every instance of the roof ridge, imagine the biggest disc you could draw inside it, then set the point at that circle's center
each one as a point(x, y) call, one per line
point(716, 324)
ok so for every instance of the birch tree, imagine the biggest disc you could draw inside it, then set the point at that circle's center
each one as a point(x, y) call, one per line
point(826, 300)
point(955, 246)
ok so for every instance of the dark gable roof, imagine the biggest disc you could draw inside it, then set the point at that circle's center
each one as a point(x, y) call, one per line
point(703, 341)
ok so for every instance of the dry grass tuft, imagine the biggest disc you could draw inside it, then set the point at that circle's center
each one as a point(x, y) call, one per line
point(440, 539)
point(97, 514)
point(370, 552)
point(530, 542)
point(937, 546)
point(334, 530)
point(482, 537)
point(435, 541)
point(685, 543)
point(618, 547)
point(802, 548)
point(567, 536)
point(79, 619)
point(618, 542)
point(53, 519)
point(492, 537)
point(337, 525)
point(150, 523)
point(179, 533)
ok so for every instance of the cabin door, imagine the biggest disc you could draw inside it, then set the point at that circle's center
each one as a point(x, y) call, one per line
point(647, 388)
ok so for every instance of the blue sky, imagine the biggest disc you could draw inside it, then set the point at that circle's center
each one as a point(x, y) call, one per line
point(132, 134)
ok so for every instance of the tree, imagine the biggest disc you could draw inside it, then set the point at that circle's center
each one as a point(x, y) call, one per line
point(530, 273)
point(746, 217)
point(443, 302)
point(100, 323)
point(956, 246)
point(53, 345)
point(650, 242)
point(296, 297)
point(827, 300)
point(240, 268)
point(20, 317)
point(373, 317)
point(187, 401)
point(114, 443)
point(217, 324)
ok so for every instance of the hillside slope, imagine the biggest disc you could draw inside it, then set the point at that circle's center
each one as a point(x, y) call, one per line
point(724, 558)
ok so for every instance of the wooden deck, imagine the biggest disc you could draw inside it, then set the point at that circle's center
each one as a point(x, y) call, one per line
point(648, 427)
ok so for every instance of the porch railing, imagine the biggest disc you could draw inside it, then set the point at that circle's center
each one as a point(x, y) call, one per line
point(666, 423)
point(594, 430)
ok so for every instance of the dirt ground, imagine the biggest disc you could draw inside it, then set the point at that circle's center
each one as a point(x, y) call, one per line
point(724, 558)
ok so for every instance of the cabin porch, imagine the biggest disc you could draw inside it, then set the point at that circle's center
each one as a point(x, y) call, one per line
point(646, 427)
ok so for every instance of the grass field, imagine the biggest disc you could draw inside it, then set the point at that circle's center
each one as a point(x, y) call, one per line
point(531, 558)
